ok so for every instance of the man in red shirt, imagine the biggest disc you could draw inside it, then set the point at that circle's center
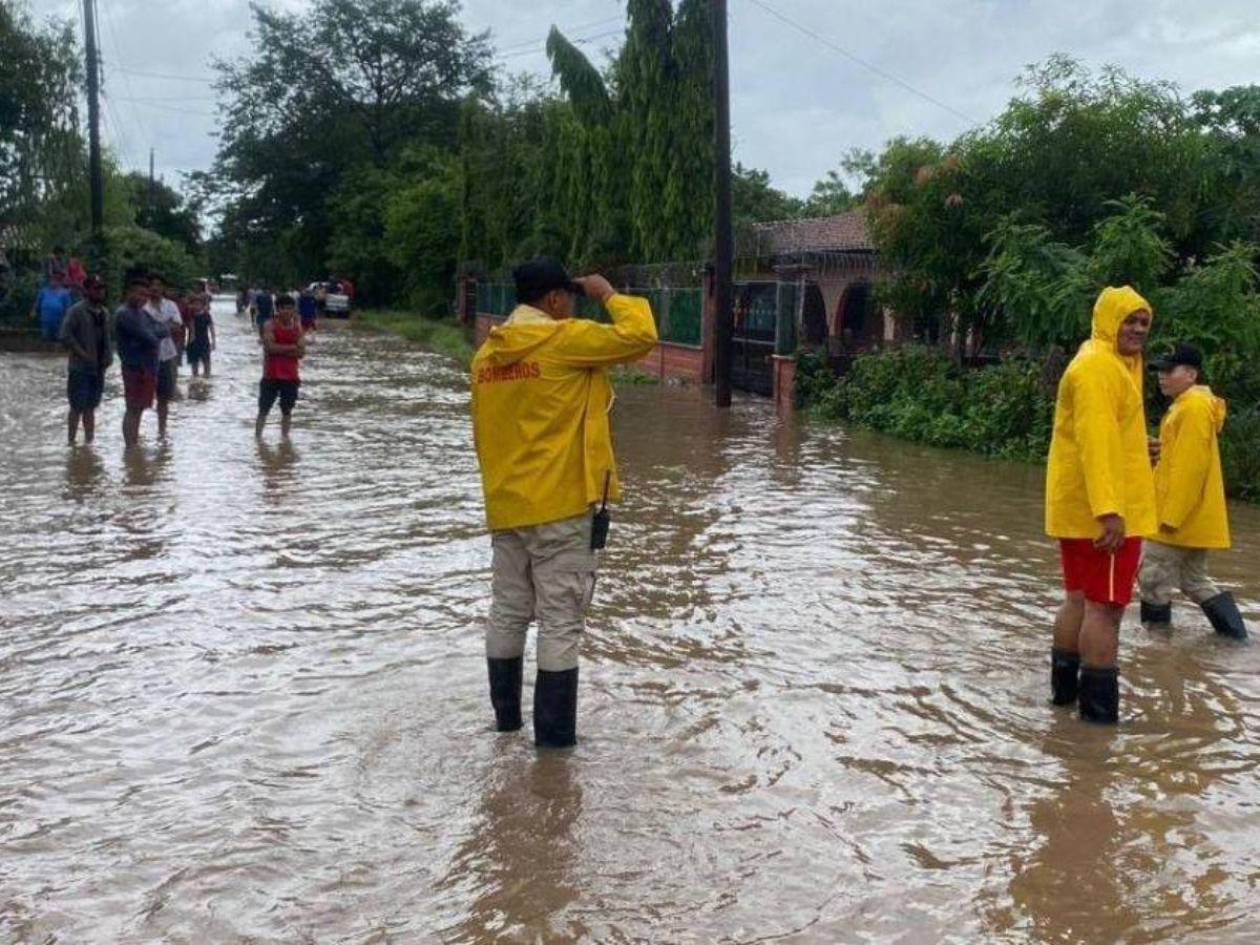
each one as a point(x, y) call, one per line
point(284, 346)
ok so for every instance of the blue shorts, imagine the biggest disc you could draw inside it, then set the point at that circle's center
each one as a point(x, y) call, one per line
point(50, 331)
point(84, 389)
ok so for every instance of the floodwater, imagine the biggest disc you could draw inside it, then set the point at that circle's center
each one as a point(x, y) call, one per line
point(242, 691)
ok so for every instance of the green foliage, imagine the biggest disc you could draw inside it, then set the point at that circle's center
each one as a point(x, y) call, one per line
point(920, 394)
point(129, 248)
point(324, 97)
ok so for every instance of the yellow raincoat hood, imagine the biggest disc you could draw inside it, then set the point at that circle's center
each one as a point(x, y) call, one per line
point(1113, 306)
point(1189, 486)
point(540, 405)
point(1098, 462)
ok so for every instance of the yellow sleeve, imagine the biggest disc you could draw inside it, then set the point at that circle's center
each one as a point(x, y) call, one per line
point(1098, 441)
point(1189, 460)
point(588, 344)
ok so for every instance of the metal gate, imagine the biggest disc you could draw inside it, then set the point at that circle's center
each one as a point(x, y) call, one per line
point(752, 341)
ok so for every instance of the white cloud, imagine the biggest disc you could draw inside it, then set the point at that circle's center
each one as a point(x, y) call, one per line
point(796, 104)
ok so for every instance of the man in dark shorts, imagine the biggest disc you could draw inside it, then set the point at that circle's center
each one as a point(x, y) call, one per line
point(200, 334)
point(283, 347)
point(1100, 501)
point(139, 337)
point(306, 309)
point(85, 334)
point(264, 308)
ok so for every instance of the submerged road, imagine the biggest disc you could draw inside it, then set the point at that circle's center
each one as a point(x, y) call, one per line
point(242, 691)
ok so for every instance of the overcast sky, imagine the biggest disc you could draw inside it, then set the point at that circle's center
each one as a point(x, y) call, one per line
point(927, 67)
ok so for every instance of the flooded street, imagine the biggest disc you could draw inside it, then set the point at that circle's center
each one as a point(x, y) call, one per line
point(243, 690)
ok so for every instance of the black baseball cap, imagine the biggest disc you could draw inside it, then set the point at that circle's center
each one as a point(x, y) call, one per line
point(541, 275)
point(1181, 354)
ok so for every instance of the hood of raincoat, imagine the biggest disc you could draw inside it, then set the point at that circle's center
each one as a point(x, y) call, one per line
point(1218, 406)
point(1113, 306)
point(531, 328)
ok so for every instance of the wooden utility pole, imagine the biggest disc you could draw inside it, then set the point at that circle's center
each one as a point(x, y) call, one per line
point(95, 180)
point(148, 194)
point(723, 243)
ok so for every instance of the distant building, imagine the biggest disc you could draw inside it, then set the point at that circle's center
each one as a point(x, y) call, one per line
point(836, 261)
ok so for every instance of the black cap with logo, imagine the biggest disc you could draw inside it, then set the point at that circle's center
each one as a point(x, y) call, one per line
point(1181, 354)
point(541, 275)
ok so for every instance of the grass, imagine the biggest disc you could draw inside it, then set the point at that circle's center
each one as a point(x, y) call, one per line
point(439, 335)
point(632, 376)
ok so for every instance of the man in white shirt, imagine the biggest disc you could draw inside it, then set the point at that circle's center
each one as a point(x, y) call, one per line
point(166, 312)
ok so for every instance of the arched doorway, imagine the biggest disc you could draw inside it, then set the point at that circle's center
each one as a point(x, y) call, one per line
point(859, 321)
point(813, 317)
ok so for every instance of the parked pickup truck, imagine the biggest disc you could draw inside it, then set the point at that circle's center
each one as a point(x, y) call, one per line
point(331, 302)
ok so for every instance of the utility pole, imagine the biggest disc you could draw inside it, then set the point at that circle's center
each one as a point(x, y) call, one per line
point(723, 244)
point(148, 194)
point(95, 180)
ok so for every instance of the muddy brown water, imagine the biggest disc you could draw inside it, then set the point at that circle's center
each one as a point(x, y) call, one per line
point(242, 695)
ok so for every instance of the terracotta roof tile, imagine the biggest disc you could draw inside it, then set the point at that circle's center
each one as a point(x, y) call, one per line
point(843, 232)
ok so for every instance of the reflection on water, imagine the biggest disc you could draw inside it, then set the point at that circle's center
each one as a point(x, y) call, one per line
point(243, 691)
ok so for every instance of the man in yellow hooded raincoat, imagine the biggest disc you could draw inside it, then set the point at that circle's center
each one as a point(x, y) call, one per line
point(1100, 500)
point(540, 404)
point(1190, 496)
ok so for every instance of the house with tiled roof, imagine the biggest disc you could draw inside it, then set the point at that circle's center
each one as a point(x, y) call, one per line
point(835, 262)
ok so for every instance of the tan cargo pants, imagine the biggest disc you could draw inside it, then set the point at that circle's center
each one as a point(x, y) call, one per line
point(1166, 568)
point(544, 572)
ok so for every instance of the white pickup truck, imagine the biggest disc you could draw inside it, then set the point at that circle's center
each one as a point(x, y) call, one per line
point(336, 304)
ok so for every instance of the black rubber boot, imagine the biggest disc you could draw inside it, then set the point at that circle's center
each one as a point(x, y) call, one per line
point(505, 692)
point(1156, 613)
point(555, 708)
point(1100, 694)
point(1224, 616)
point(1065, 667)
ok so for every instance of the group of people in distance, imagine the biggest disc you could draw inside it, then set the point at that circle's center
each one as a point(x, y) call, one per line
point(1109, 486)
point(151, 332)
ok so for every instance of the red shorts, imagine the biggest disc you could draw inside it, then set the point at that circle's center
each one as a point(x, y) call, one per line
point(1103, 577)
point(139, 388)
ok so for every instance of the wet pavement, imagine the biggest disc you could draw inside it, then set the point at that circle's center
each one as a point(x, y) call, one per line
point(242, 691)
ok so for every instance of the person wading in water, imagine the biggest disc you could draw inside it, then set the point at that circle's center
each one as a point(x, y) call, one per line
point(540, 404)
point(139, 336)
point(1190, 493)
point(284, 347)
point(85, 334)
point(1100, 501)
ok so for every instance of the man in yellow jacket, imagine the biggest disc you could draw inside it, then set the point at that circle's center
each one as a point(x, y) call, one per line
point(1100, 501)
point(540, 404)
point(1190, 496)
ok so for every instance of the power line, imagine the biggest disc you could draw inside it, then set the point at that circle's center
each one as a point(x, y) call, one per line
point(164, 75)
point(572, 29)
point(542, 45)
point(882, 73)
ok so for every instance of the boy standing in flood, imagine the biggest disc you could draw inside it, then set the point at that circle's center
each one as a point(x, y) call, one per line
point(283, 347)
point(1190, 496)
point(85, 335)
point(201, 333)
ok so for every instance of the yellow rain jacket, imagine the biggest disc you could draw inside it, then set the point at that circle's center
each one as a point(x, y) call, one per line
point(1189, 486)
point(540, 403)
point(1099, 463)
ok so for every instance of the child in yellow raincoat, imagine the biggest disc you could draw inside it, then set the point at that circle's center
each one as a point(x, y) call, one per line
point(1190, 496)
